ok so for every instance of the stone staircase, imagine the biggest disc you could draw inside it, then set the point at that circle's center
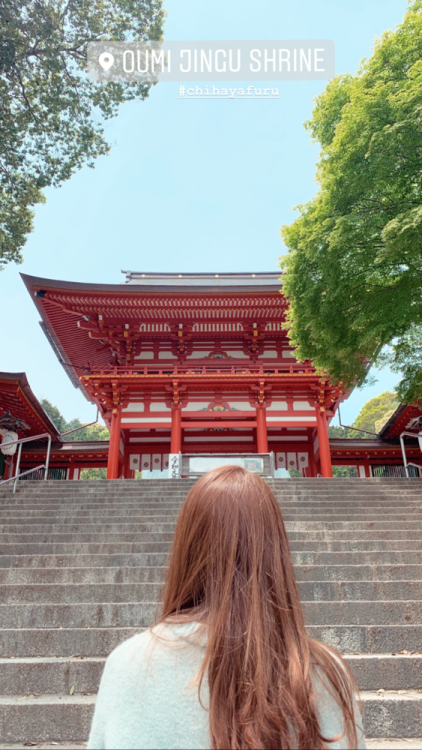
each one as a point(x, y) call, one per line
point(82, 563)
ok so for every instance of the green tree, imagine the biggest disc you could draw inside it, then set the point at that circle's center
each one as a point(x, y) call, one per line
point(51, 116)
point(353, 271)
point(93, 474)
point(376, 412)
point(339, 432)
point(344, 471)
point(94, 432)
point(372, 417)
point(55, 415)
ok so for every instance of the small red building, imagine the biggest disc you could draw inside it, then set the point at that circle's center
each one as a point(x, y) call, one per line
point(67, 458)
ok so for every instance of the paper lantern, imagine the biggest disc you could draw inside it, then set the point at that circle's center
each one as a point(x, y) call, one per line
point(9, 437)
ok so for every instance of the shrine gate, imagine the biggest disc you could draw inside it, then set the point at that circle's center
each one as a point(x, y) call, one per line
point(191, 363)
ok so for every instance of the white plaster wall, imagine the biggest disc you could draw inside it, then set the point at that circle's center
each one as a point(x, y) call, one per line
point(134, 406)
point(278, 406)
point(310, 420)
point(166, 355)
point(141, 420)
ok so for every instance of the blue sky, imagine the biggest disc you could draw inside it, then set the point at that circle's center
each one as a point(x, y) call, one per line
point(189, 185)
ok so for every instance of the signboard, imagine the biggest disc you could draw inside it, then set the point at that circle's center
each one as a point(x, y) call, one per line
point(174, 465)
point(202, 464)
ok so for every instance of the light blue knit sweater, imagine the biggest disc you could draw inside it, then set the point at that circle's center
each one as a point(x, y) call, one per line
point(148, 695)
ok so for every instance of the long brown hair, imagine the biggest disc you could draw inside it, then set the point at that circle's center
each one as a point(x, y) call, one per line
point(230, 568)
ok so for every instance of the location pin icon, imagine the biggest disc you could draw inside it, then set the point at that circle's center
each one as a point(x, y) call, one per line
point(106, 60)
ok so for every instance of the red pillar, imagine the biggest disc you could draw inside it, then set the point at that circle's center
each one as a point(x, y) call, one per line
point(324, 444)
point(127, 471)
point(311, 471)
point(114, 446)
point(261, 429)
point(176, 429)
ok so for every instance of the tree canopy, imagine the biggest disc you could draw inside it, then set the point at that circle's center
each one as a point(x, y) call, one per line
point(372, 417)
point(93, 432)
point(353, 270)
point(376, 412)
point(51, 116)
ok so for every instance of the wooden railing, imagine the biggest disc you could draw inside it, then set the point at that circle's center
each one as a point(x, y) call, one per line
point(203, 371)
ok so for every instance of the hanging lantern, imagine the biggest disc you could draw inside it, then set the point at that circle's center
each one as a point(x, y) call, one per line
point(9, 437)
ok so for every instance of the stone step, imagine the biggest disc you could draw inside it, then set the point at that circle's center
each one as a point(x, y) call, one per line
point(371, 744)
point(67, 745)
point(175, 488)
point(164, 525)
point(119, 516)
point(276, 480)
point(45, 593)
point(330, 492)
point(157, 574)
point(83, 563)
point(82, 490)
point(341, 498)
point(109, 547)
point(393, 672)
point(310, 540)
point(390, 744)
point(153, 559)
point(157, 481)
point(287, 485)
point(140, 614)
point(100, 641)
point(146, 512)
point(392, 714)
point(20, 676)
point(68, 717)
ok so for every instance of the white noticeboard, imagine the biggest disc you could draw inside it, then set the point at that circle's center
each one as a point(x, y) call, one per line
point(202, 464)
point(174, 466)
